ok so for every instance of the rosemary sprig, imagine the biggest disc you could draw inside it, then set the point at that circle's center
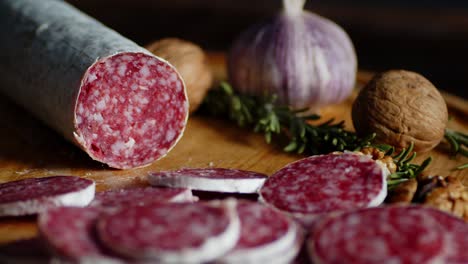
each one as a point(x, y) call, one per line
point(462, 167)
point(458, 142)
point(266, 116)
point(405, 169)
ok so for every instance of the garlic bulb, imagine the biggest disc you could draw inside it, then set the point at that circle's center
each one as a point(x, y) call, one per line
point(305, 59)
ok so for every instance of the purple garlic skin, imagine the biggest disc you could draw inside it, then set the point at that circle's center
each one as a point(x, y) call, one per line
point(303, 58)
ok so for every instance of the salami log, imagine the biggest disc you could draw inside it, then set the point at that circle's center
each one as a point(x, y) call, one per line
point(210, 179)
point(119, 103)
point(172, 232)
point(70, 234)
point(317, 185)
point(141, 196)
point(398, 234)
point(266, 236)
point(31, 196)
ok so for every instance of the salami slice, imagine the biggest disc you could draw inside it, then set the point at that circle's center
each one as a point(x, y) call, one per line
point(266, 236)
point(119, 103)
point(141, 196)
point(70, 233)
point(318, 185)
point(397, 234)
point(31, 196)
point(210, 179)
point(172, 232)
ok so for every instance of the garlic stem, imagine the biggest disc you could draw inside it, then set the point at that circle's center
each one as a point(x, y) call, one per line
point(293, 7)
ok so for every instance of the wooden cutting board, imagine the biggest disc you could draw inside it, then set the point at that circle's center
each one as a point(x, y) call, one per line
point(29, 149)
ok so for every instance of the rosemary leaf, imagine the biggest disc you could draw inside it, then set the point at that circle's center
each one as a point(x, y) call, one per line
point(458, 142)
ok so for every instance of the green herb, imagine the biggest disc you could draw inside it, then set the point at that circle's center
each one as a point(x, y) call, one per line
point(266, 116)
point(269, 118)
point(462, 167)
point(405, 169)
point(458, 142)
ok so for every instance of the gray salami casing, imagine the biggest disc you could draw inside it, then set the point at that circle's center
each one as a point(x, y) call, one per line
point(47, 48)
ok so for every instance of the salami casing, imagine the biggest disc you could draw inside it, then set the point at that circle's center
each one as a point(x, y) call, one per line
point(118, 102)
point(172, 232)
point(398, 234)
point(35, 195)
point(141, 196)
point(210, 179)
point(318, 185)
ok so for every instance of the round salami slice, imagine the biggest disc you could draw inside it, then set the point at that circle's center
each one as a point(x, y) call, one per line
point(172, 232)
point(318, 185)
point(119, 103)
point(398, 234)
point(70, 233)
point(266, 235)
point(34, 195)
point(210, 179)
point(141, 196)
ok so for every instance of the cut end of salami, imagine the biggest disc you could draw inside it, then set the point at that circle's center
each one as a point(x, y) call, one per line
point(172, 232)
point(131, 110)
point(397, 234)
point(317, 185)
point(35, 195)
point(141, 196)
point(210, 179)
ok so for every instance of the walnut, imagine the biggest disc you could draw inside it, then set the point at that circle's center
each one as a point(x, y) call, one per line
point(379, 155)
point(449, 195)
point(403, 192)
point(191, 62)
point(401, 107)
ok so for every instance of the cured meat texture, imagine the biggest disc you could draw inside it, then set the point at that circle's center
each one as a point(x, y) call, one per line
point(390, 235)
point(119, 103)
point(267, 236)
point(70, 233)
point(141, 196)
point(210, 179)
point(31, 196)
point(322, 184)
point(131, 110)
point(172, 232)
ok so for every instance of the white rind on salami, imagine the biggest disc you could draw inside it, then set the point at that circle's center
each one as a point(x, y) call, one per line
point(122, 105)
point(267, 236)
point(210, 179)
point(172, 232)
point(394, 234)
point(69, 233)
point(141, 196)
point(318, 185)
point(35, 195)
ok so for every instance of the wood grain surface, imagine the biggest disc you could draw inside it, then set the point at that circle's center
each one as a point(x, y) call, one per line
point(30, 149)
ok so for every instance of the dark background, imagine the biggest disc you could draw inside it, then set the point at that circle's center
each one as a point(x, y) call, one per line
point(430, 37)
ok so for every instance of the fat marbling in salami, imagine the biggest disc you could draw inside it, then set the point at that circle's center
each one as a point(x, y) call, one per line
point(317, 185)
point(396, 234)
point(141, 196)
point(70, 233)
point(266, 236)
point(172, 232)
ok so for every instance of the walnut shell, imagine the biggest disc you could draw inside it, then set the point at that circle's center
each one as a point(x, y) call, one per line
point(191, 62)
point(401, 107)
